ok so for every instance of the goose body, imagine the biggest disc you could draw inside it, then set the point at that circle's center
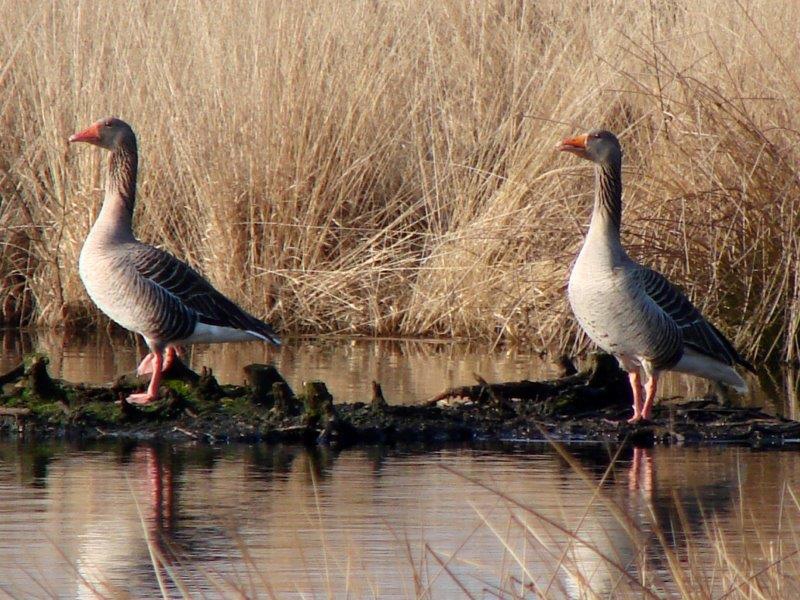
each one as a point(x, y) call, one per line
point(143, 288)
point(631, 311)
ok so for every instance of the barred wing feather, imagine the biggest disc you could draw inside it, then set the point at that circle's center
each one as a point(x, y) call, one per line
point(698, 334)
point(195, 292)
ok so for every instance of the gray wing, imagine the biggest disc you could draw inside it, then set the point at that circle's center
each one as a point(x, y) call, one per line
point(195, 292)
point(698, 334)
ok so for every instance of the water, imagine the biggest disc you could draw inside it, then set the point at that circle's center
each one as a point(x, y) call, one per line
point(408, 371)
point(302, 523)
point(282, 521)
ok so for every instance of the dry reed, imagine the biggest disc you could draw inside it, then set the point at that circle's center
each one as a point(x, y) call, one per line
point(388, 167)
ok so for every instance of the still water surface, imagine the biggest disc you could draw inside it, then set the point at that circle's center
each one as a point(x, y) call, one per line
point(408, 371)
point(278, 521)
point(373, 522)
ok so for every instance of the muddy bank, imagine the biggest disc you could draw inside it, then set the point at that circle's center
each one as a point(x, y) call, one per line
point(588, 406)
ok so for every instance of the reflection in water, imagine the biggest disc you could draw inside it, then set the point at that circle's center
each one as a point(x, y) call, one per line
point(375, 522)
point(640, 474)
point(127, 519)
point(790, 390)
point(408, 371)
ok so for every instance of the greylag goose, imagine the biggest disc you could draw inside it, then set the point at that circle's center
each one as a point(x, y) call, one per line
point(144, 289)
point(631, 311)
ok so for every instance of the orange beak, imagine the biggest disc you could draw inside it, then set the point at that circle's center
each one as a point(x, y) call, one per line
point(91, 134)
point(576, 145)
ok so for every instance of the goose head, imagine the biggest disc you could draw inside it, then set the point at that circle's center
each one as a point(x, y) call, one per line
point(109, 133)
point(598, 145)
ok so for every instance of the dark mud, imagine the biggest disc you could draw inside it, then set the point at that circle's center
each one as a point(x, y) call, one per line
point(590, 406)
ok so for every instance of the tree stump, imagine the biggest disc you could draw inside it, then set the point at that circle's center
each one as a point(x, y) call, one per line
point(13, 375)
point(604, 370)
point(317, 402)
point(283, 400)
point(39, 381)
point(378, 401)
point(207, 386)
point(180, 371)
point(565, 366)
point(261, 379)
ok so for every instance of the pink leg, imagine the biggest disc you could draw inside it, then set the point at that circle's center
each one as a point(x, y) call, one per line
point(146, 366)
point(636, 388)
point(169, 358)
point(650, 397)
point(640, 476)
point(633, 472)
point(152, 390)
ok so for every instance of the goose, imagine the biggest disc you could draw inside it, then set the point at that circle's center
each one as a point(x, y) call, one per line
point(631, 311)
point(145, 289)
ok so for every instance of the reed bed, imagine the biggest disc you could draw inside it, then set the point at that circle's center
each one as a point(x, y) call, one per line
point(387, 168)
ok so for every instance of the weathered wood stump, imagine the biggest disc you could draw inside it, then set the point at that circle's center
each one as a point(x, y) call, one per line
point(261, 379)
point(603, 384)
point(592, 405)
point(317, 402)
point(284, 403)
point(13, 375)
point(207, 386)
point(378, 401)
point(38, 379)
point(178, 371)
point(565, 366)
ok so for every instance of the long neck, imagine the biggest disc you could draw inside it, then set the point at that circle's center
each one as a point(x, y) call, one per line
point(607, 213)
point(115, 220)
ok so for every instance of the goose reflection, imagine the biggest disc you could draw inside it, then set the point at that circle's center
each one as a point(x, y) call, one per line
point(654, 500)
point(368, 520)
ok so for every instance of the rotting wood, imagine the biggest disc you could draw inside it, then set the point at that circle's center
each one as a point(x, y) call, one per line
point(495, 400)
point(261, 379)
point(317, 401)
point(39, 381)
point(14, 412)
point(284, 400)
point(378, 402)
point(13, 375)
point(592, 405)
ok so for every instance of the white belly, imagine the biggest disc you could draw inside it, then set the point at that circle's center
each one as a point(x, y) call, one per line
point(103, 280)
point(604, 306)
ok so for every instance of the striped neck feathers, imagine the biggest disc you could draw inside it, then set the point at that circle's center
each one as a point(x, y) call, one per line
point(608, 197)
point(122, 171)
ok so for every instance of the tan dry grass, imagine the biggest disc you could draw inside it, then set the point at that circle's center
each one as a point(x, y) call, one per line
point(388, 167)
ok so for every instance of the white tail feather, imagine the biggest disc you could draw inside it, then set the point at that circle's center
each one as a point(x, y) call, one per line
point(694, 363)
point(272, 339)
point(211, 334)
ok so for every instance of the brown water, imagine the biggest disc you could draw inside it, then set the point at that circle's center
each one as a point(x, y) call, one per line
point(408, 371)
point(75, 522)
point(253, 521)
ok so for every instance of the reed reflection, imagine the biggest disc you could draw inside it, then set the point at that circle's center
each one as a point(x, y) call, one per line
point(310, 520)
point(409, 371)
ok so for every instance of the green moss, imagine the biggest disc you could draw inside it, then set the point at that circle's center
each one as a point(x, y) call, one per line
point(52, 412)
point(183, 389)
point(102, 412)
point(241, 407)
point(43, 409)
point(18, 400)
point(33, 357)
